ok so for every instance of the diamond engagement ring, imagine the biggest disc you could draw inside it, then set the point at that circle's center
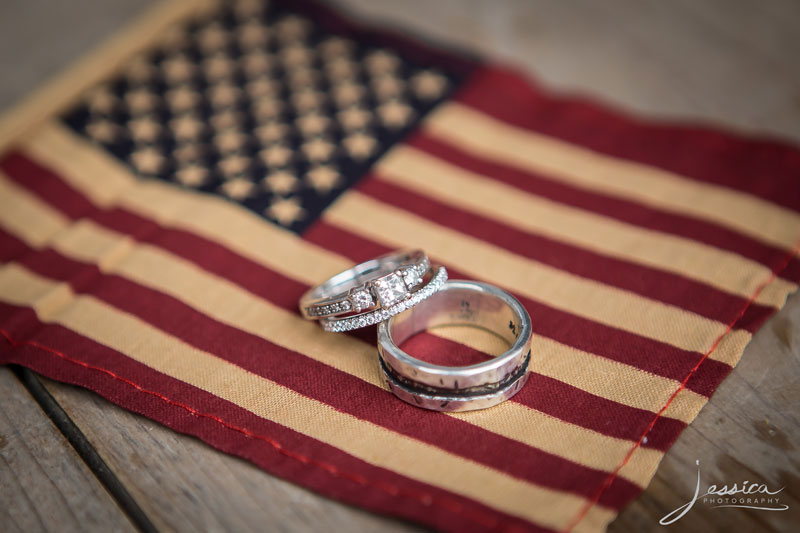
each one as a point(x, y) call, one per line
point(463, 388)
point(372, 291)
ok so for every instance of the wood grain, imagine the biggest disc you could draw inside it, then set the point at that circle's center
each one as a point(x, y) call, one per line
point(184, 485)
point(748, 431)
point(44, 484)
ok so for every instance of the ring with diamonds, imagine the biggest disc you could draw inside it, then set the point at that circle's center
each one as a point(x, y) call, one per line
point(363, 294)
point(458, 388)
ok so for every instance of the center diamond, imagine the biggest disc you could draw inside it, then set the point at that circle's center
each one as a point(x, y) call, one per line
point(390, 289)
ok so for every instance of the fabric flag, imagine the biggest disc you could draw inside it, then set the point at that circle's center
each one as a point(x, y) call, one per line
point(158, 228)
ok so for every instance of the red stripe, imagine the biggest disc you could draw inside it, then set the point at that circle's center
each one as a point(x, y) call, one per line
point(557, 398)
point(61, 354)
point(184, 322)
point(649, 282)
point(610, 206)
point(11, 248)
point(211, 256)
point(188, 245)
point(615, 344)
point(566, 328)
point(609, 481)
point(440, 351)
point(764, 168)
point(46, 185)
point(292, 369)
point(157, 231)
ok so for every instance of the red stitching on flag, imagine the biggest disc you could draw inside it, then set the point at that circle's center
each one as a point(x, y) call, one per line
point(424, 498)
point(613, 475)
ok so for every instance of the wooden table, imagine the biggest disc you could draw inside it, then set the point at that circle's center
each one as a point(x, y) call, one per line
point(71, 461)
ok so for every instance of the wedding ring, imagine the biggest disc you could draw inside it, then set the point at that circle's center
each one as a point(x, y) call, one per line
point(464, 388)
point(372, 291)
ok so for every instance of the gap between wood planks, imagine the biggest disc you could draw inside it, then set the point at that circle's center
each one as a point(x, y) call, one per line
point(84, 448)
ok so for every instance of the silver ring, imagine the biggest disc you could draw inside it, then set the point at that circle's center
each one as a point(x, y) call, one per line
point(340, 324)
point(372, 291)
point(465, 388)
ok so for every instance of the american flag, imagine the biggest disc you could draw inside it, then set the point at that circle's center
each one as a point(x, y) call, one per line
point(157, 233)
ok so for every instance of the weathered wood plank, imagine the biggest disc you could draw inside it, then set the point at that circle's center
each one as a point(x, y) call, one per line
point(748, 431)
point(184, 485)
point(730, 63)
point(44, 484)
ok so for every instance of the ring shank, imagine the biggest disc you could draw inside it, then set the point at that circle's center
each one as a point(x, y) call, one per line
point(459, 308)
point(466, 387)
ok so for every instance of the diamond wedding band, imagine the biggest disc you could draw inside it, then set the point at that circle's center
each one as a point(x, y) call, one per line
point(465, 388)
point(372, 291)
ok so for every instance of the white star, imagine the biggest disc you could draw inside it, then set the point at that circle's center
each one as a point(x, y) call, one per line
point(359, 145)
point(234, 164)
point(230, 140)
point(323, 179)
point(334, 47)
point(144, 129)
point(238, 188)
point(139, 70)
point(285, 211)
point(224, 95)
point(212, 37)
point(271, 132)
point(225, 119)
point(395, 114)
point(178, 68)
point(192, 175)
point(103, 130)
point(318, 149)
point(257, 63)
point(296, 56)
point(140, 100)
point(101, 100)
point(148, 160)
point(281, 182)
point(187, 127)
point(267, 108)
point(263, 88)
point(307, 100)
point(252, 34)
point(428, 84)
point(292, 28)
point(301, 77)
point(312, 124)
point(218, 67)
point(347, 93)
point(276, 156)
point(188, 153)
point(182, 98)
point(381, 61)
point(387, 86)
point(354, 118)
point(341, 69)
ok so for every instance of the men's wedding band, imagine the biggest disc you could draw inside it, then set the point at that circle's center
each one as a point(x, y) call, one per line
point(465, 388)
point(372, 291)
